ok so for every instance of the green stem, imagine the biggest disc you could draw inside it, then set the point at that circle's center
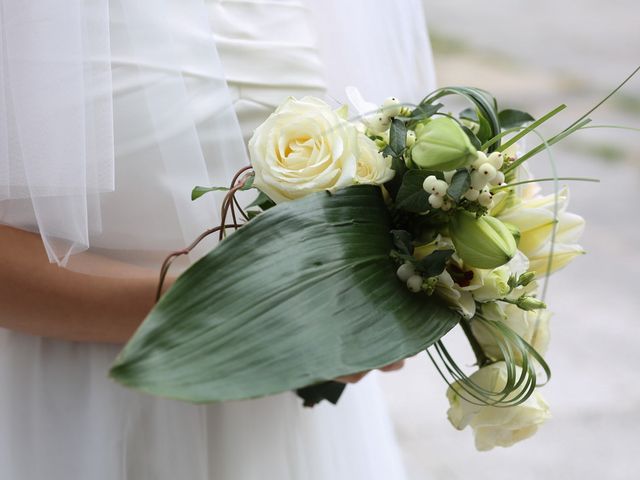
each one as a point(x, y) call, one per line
point(532, 127)
point(549, 179)
point(481, 358)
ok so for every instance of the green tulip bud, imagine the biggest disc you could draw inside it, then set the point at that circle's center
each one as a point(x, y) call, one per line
point(441, 145)
point(483, 242)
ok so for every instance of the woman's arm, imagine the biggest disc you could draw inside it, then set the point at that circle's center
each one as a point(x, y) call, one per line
point(40, 298)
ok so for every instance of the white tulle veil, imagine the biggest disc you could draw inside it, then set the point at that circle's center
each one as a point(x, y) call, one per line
point(56, 111)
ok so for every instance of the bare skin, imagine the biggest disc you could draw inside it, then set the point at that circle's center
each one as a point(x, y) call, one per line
point(40, 298)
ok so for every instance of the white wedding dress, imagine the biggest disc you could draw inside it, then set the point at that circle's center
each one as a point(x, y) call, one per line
point(61, 417)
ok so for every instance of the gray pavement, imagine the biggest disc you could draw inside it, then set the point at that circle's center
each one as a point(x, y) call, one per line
point(570, 52)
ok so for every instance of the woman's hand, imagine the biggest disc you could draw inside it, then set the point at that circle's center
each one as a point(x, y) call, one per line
point(356, 377)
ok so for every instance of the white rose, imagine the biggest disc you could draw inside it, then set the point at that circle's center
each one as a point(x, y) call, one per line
point(496, 426)
point(532, 326)
point(304, 147)
point(372, 166)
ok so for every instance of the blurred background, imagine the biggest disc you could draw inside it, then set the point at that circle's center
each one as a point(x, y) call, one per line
point(534, 56)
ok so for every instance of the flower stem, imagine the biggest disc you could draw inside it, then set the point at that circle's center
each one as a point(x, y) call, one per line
point(481, 358)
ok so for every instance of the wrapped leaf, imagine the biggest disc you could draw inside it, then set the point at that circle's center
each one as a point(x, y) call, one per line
point(304, 293)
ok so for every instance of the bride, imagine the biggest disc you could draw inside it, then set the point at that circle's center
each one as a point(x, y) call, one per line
point(111, 112)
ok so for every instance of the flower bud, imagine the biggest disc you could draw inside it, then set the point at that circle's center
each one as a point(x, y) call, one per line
point(526, 278)
point(441, 144)
point(483, 242)
point(530, 303)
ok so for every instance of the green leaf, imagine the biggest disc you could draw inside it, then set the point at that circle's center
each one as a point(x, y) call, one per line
point(483, 103)
point(514, 118)
point(399, 166)
point(304, 293)
point(402, 241)
point(412, 197)
point(460, 183)
point(531, 127)
point(424, 111)
point(330, 391)
point(197, 192)
point(248, 184)
point(475, 141)
point(262, 201)
point(425, 228)
point(434, 264)
point(397, 137)
point(469, 114)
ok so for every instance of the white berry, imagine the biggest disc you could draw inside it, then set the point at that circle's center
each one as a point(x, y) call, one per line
point(379, 122)
point(391, 106)
point(441, 188)
point(405, 271)
point(488, 171)
point(496, 159)
point(481, 159)
point(485, 199)
point(430, 183)
point(498, 179)
point(478, 180)
point(446, 205)
point(472, 194)
point(448, 176)
point(436, 201)
point(414, 283)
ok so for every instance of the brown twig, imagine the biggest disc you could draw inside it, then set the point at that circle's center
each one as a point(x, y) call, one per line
point(166, 265)
point(228, 203)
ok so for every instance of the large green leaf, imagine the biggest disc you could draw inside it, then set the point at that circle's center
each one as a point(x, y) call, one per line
point(304, 293)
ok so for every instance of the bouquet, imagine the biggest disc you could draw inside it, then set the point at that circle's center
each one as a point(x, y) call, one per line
point(369, 239)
